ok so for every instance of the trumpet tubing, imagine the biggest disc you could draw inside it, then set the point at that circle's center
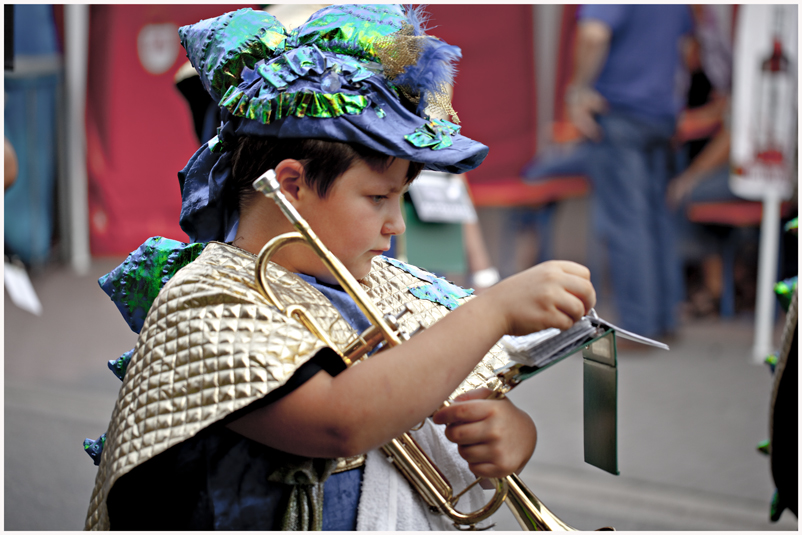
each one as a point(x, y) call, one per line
point(403, 451)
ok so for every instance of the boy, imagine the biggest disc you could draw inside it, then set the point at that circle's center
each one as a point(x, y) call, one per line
point(233, 415)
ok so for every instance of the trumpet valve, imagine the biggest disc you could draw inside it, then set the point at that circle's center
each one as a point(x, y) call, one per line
point(417, 330)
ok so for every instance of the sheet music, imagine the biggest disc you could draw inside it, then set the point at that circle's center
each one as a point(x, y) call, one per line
point(541, 348)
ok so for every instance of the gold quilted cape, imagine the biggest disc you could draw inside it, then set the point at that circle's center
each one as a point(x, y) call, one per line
point(211, 345)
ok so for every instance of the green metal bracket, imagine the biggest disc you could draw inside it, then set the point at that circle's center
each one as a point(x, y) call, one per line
point(600, 380)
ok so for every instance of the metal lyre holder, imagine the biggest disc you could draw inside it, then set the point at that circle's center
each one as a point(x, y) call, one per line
point(407, 456)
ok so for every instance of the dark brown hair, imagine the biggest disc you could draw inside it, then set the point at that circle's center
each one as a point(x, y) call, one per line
point(323, 161)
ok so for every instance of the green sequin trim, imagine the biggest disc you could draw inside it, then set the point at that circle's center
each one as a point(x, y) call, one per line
point(777, 506)
point(297, 63)
point(438, 290)
point(302, 104)
point(785, 291)
point(119, 366)
point(436, 134)
point(95, 447)
point(215, 145)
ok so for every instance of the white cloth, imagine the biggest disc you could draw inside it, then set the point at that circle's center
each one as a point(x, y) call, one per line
point(389, 503)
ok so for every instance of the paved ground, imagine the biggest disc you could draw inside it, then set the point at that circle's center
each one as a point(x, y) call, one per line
point(689, 421)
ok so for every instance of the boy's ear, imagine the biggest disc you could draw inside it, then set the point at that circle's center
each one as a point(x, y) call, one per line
point(290, 176)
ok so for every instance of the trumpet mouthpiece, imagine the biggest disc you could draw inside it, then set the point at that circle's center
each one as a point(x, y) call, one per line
point(266, 183)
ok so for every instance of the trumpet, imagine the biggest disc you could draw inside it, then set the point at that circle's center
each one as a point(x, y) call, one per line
point(408, 457)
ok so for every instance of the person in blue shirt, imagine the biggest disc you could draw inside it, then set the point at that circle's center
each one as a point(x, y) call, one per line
point(625, 96)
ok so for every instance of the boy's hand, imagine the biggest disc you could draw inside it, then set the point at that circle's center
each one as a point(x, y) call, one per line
point(494, 436)
point(551, 294)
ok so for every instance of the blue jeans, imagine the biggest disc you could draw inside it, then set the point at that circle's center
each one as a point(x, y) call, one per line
point(630, 169)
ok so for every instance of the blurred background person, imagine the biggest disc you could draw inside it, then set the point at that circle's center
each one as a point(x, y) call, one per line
point(624, 97)
point(30, 127)
point(10, 166)
point(703, 160)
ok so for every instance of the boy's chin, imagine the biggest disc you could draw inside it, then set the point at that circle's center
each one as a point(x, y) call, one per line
point(328, 277)
point(358, 268)
point(361, 270)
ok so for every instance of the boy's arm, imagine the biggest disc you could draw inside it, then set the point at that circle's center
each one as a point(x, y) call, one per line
point(388, 394)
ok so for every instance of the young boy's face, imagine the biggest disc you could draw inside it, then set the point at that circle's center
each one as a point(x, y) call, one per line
point(358, 217)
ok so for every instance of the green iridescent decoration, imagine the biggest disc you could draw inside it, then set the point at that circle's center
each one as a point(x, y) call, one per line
point(785, 291)
point(297, 63)
point(280, 73)
point(792, 225)
point(119, 366)
point(302, 104)
point(771, 360)
point(95, 447)
point(242, 42)
point(435, 134)
point(777, 507)
point(764, 447)
point(344, 31)
point(438, 291)
point(215, 145)
point(134, 284)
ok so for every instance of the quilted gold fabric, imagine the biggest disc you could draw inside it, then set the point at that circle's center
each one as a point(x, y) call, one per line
point(388, 287)
point(211, 345)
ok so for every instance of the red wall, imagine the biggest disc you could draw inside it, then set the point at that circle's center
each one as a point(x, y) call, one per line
point(139, 129)
point(494, 93)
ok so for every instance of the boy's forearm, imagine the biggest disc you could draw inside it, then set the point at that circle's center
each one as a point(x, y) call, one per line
point(389, 393)
point(358, 410)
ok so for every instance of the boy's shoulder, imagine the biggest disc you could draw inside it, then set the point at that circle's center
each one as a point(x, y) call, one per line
point(162, 270)
point(219, 264)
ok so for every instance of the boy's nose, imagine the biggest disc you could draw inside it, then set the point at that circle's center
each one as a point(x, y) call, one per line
point(395, 222)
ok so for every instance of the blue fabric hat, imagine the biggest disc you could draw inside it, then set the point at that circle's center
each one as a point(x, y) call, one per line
point(364, 74)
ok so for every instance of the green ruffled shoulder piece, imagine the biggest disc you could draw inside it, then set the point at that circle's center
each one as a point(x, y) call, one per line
point(134, 284)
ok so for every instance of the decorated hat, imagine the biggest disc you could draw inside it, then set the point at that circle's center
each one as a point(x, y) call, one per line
point(365, 74)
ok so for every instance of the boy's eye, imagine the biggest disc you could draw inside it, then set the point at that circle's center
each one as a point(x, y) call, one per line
point(377, 198)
